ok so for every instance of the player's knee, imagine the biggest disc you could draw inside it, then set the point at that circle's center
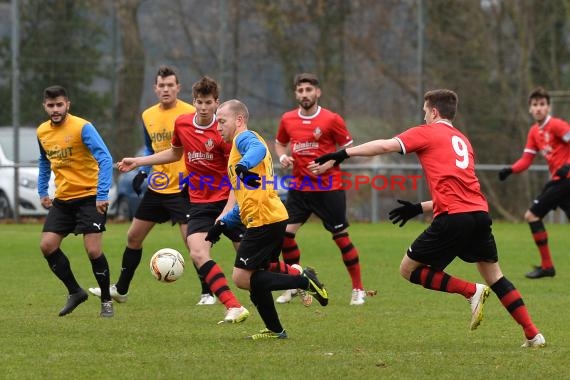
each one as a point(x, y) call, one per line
point(530, 217)
point(94, 253)
point(47, 247)
point(405, 272)
point(134, 240)
point(241, 281)
point(406, 268)
point(199, 257)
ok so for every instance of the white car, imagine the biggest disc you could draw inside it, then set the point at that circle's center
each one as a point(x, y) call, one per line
point(29, 200)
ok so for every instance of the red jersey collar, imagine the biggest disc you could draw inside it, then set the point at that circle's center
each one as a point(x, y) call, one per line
point(310, 116)
point(544, 122)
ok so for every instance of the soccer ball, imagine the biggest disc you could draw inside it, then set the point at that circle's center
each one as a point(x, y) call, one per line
point(167, 265)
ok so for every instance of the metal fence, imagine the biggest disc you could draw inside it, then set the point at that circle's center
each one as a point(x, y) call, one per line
point(373, 189)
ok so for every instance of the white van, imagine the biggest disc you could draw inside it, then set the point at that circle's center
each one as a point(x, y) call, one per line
point(29, 202)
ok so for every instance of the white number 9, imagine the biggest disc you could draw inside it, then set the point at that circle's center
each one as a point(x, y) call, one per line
point(460, 149)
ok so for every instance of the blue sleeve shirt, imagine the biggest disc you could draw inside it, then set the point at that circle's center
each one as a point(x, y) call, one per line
point(251, 149)
point(98, 149)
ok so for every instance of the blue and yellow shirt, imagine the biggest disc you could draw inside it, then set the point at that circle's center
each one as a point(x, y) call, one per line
point(255, 207)
point(78, 157)
point(158, 131)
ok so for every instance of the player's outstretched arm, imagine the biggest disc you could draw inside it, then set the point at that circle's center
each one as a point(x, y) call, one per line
point(165, 157)
point(375, 148)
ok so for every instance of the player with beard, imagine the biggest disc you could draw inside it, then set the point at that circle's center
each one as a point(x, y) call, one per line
point(308, 132)
point(72, 148)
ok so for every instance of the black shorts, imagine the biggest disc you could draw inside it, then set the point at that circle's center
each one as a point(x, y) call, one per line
point(260, 246)
point(203, 216)
point(554, 194)
point(466, 235)
point(329, 206)
point(159, 208)
point(78, 216)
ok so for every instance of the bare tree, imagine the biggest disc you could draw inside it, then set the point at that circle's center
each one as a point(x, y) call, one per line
point(130, 79)
point(309, 36)
point(493, 53)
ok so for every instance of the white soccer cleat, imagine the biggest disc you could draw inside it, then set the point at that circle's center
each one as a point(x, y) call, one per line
point(358, 296)
point(236, 315)
point(120, 298)
point(306, 298)
point(537, 342)
point(477, 302)
point(298, 268)
point(287, 296)
point(206, 299)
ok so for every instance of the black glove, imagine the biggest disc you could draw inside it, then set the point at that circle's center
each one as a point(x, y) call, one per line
point(562, 172)
point(405, 212)
point(138, 181)
point(215, 231)
point(251, 179)
point(504, 173)
point(338, 157)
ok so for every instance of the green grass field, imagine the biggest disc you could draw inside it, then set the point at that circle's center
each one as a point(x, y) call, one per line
point(405, 332)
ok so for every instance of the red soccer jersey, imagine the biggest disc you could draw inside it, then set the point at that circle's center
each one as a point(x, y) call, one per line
point(448, 162)
point(311, 137)
point(551, 140)
point(206, 157)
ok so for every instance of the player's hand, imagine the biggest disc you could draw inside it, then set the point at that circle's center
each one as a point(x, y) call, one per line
point(138, 181)
point(504, 173)
point(102, 206)
point(126, 164)
point(338, 157)
point(318, 169)
point(46, 202)
point(562, 172)
point(215, 231)
point(407, 211)
point(286, 161)
point(251, 179)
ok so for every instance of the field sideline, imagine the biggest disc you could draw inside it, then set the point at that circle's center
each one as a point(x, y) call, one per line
point(405, 332)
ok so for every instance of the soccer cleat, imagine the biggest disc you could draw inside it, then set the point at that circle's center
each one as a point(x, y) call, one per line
point(316, 288)
point(73, 300)
point(298, 268)
point(306, 298)
point(286, 296)
point(537, 342)
point(268, 334)
point(120, 298)
point(107, 309)
point(477, 302)
point(540, 272)
point(358, 296)
point(236, 315)
point(206, 299)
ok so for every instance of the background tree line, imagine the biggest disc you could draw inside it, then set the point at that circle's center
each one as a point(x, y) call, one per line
point(374, 59)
